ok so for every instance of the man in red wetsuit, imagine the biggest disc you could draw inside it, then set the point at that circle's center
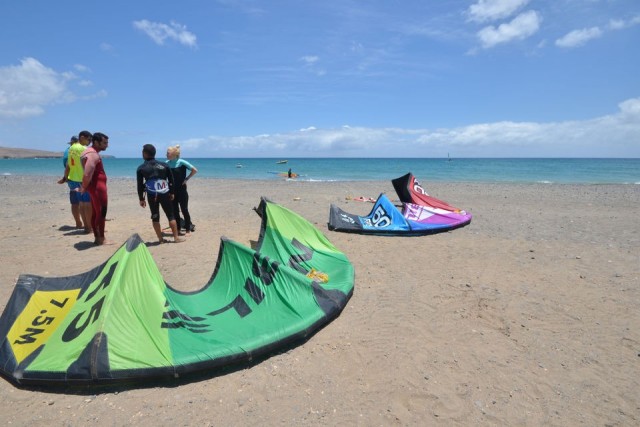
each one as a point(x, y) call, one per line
point(94, 181)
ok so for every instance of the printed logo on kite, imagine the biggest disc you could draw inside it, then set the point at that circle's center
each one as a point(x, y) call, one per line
point(380, 218)
point(347, 218)
point(42, 315)
point(417, 187)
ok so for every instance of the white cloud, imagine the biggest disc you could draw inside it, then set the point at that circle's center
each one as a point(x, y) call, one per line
point(612, 135)
point(81, 68)
point(617, 24)
point(491, 10)
point(615, 135)
point(27, 88)
point(159, 32)
point(621, 24)
point(579, 37)
point(522, 26)
point(311, 62)
point(246, 6)
point(630, 108)
point(340, 142)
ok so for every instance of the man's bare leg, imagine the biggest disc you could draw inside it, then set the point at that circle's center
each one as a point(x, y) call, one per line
point(86, 212)
point(75, 211)
point(174, 230)
point(158, 230)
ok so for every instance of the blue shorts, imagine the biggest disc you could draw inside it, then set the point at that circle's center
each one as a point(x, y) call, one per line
point(76, 197)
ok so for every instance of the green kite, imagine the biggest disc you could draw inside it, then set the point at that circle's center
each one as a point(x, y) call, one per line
point(122, 322)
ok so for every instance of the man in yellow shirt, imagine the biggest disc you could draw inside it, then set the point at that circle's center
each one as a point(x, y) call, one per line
point(75, 209)
point(73, 173)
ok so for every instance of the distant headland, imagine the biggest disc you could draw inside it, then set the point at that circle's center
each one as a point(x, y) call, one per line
point(26, 153)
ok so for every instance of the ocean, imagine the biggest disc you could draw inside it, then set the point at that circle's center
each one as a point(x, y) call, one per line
point(479, 170)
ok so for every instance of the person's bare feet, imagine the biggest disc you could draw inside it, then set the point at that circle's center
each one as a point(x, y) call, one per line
point(101, 241)
point(178, 240)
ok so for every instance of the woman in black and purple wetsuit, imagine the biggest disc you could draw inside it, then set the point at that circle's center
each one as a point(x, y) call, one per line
point(182, 172)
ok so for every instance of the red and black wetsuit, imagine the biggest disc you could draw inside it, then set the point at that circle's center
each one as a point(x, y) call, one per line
point(95, 182)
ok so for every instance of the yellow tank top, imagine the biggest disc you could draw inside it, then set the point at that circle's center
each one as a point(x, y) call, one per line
point(75, 166)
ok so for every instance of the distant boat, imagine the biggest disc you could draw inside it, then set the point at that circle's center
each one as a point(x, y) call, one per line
point(280, 162)
point(239, 165)
point(448, 157)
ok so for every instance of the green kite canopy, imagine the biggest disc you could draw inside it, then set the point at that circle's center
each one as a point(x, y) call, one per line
point(122, 322)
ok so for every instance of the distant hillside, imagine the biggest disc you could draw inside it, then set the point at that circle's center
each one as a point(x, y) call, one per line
point(25, 153)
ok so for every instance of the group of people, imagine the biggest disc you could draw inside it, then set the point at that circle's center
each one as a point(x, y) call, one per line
point(87, 181)
point(164, 184)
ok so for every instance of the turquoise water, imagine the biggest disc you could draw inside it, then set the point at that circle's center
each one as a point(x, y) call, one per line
point(583, 171)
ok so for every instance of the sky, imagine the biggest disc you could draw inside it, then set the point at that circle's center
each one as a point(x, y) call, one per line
point(331, 78)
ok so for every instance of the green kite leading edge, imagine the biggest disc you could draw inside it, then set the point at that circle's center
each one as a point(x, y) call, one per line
point(122, 322)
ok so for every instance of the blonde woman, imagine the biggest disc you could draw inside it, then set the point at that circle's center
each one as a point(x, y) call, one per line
point(182, 172)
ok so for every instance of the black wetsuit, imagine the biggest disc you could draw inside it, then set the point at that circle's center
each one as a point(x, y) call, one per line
point(155, 179)
point(181, 201)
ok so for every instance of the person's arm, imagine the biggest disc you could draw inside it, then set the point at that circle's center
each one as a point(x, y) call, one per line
point(89, 163)
point(66, 174)
point(140, 180)
point(171, 185)
point(192, 171)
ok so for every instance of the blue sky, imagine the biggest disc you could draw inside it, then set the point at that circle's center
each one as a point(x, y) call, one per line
point(332, 78)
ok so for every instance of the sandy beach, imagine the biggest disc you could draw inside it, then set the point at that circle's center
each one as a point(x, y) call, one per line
point(529, 316)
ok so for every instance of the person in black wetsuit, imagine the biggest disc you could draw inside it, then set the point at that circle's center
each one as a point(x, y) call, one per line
point(156, 181)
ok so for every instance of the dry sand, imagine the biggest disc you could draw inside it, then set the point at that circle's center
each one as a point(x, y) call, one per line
point(528, 316)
